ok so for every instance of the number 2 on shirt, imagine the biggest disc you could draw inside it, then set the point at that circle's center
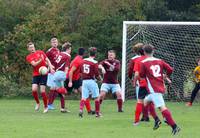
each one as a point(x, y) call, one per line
point(156, 70)
point(86, 68)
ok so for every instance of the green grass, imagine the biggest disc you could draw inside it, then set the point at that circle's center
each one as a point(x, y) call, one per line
point(19, 120)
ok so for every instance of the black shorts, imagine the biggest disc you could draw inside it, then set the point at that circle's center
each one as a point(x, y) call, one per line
point(76, 84)
point(40, 80)
point(142, 93)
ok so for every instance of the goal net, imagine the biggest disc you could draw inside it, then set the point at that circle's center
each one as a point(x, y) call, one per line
point(178, 43)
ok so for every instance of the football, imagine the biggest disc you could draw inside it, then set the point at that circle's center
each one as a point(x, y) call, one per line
point(43, 70)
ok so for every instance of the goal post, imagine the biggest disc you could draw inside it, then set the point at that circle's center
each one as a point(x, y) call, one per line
point(178, 43)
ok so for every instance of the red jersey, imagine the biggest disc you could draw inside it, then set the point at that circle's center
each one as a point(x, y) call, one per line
point(131, 66)
point(35, 57)
point(62, 61)
point(89, 69)
point(152, 69)
point(111, 76)
point(77, 62)
point(136, 68)
point(52, 54)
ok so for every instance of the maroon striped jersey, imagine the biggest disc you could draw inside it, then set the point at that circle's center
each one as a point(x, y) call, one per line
point(52, 54)
point(152, 69)
point(89, 69)
point(111, 75)
point(62, 61)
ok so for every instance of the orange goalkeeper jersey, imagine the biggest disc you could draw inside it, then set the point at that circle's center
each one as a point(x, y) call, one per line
point(197, 74)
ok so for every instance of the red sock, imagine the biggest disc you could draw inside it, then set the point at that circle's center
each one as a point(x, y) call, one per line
point(51, 92)
point(62, 101)
point(35, 95)
point(97, 106)
point(101, 101)
point(152, 111)
point(82, 103)
point(54, 96)
point(44, 97)
point(119, 103)
point(145, 111)
point(138, 111)
point(167, 115)
point(87, 105)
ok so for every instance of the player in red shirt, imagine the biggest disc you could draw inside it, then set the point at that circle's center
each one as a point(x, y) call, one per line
point(52, 54)
point(142, 92)
point(110, 68)
point(133, 59)
point(90, 72)
point(61, 68)
point(152, 69)
point(73, 80)
point(38, 59)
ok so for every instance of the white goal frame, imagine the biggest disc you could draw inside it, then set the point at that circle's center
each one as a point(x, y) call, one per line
point(124, 40)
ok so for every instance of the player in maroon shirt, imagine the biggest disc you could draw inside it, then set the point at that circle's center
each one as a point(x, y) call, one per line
point(142, 92)
point(152, 69)
point(52, 54)
point(62, 67)
point(90, 72)
point(111, 67)
point(38, 59)
point(74, 80)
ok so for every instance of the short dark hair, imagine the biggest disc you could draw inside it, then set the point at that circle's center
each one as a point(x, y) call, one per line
point(112, 51)
point(66, 46)
point(148, 48)
point(81, 51)
point(138, 48)
point(29, 43)
point(92, 51)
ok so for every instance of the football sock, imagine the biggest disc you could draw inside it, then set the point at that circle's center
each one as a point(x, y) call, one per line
point(62, 101)
point(138, 111)
point(97, 106)
point(152, 111)
point(145, 111)
point(119, 103)
point(82, 103)
point(167, 115)
point(51, 92)
point(44, 98)
point(194, 92)
point(35, 95)
point(101, 101)
point(54, 96)
point(87, 105)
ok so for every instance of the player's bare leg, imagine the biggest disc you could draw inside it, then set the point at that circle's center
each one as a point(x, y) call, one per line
point(35, 95)
point(119, 101)
point(44, 97)
point(102, 96)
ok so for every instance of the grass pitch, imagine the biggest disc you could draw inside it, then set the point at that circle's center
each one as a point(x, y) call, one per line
point(19, 120)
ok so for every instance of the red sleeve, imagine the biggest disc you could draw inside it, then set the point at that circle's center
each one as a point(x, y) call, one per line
point(67, 62)
point(142, 70)
point(29, 59)
point(168, 68)
point(136, 67)
point(130, 69)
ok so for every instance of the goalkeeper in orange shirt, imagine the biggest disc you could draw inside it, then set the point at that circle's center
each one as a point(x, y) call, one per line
point(197, 83)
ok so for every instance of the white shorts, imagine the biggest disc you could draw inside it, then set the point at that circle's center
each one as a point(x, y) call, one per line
point(90, 87)
point(110, 87)
point(156, 98)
